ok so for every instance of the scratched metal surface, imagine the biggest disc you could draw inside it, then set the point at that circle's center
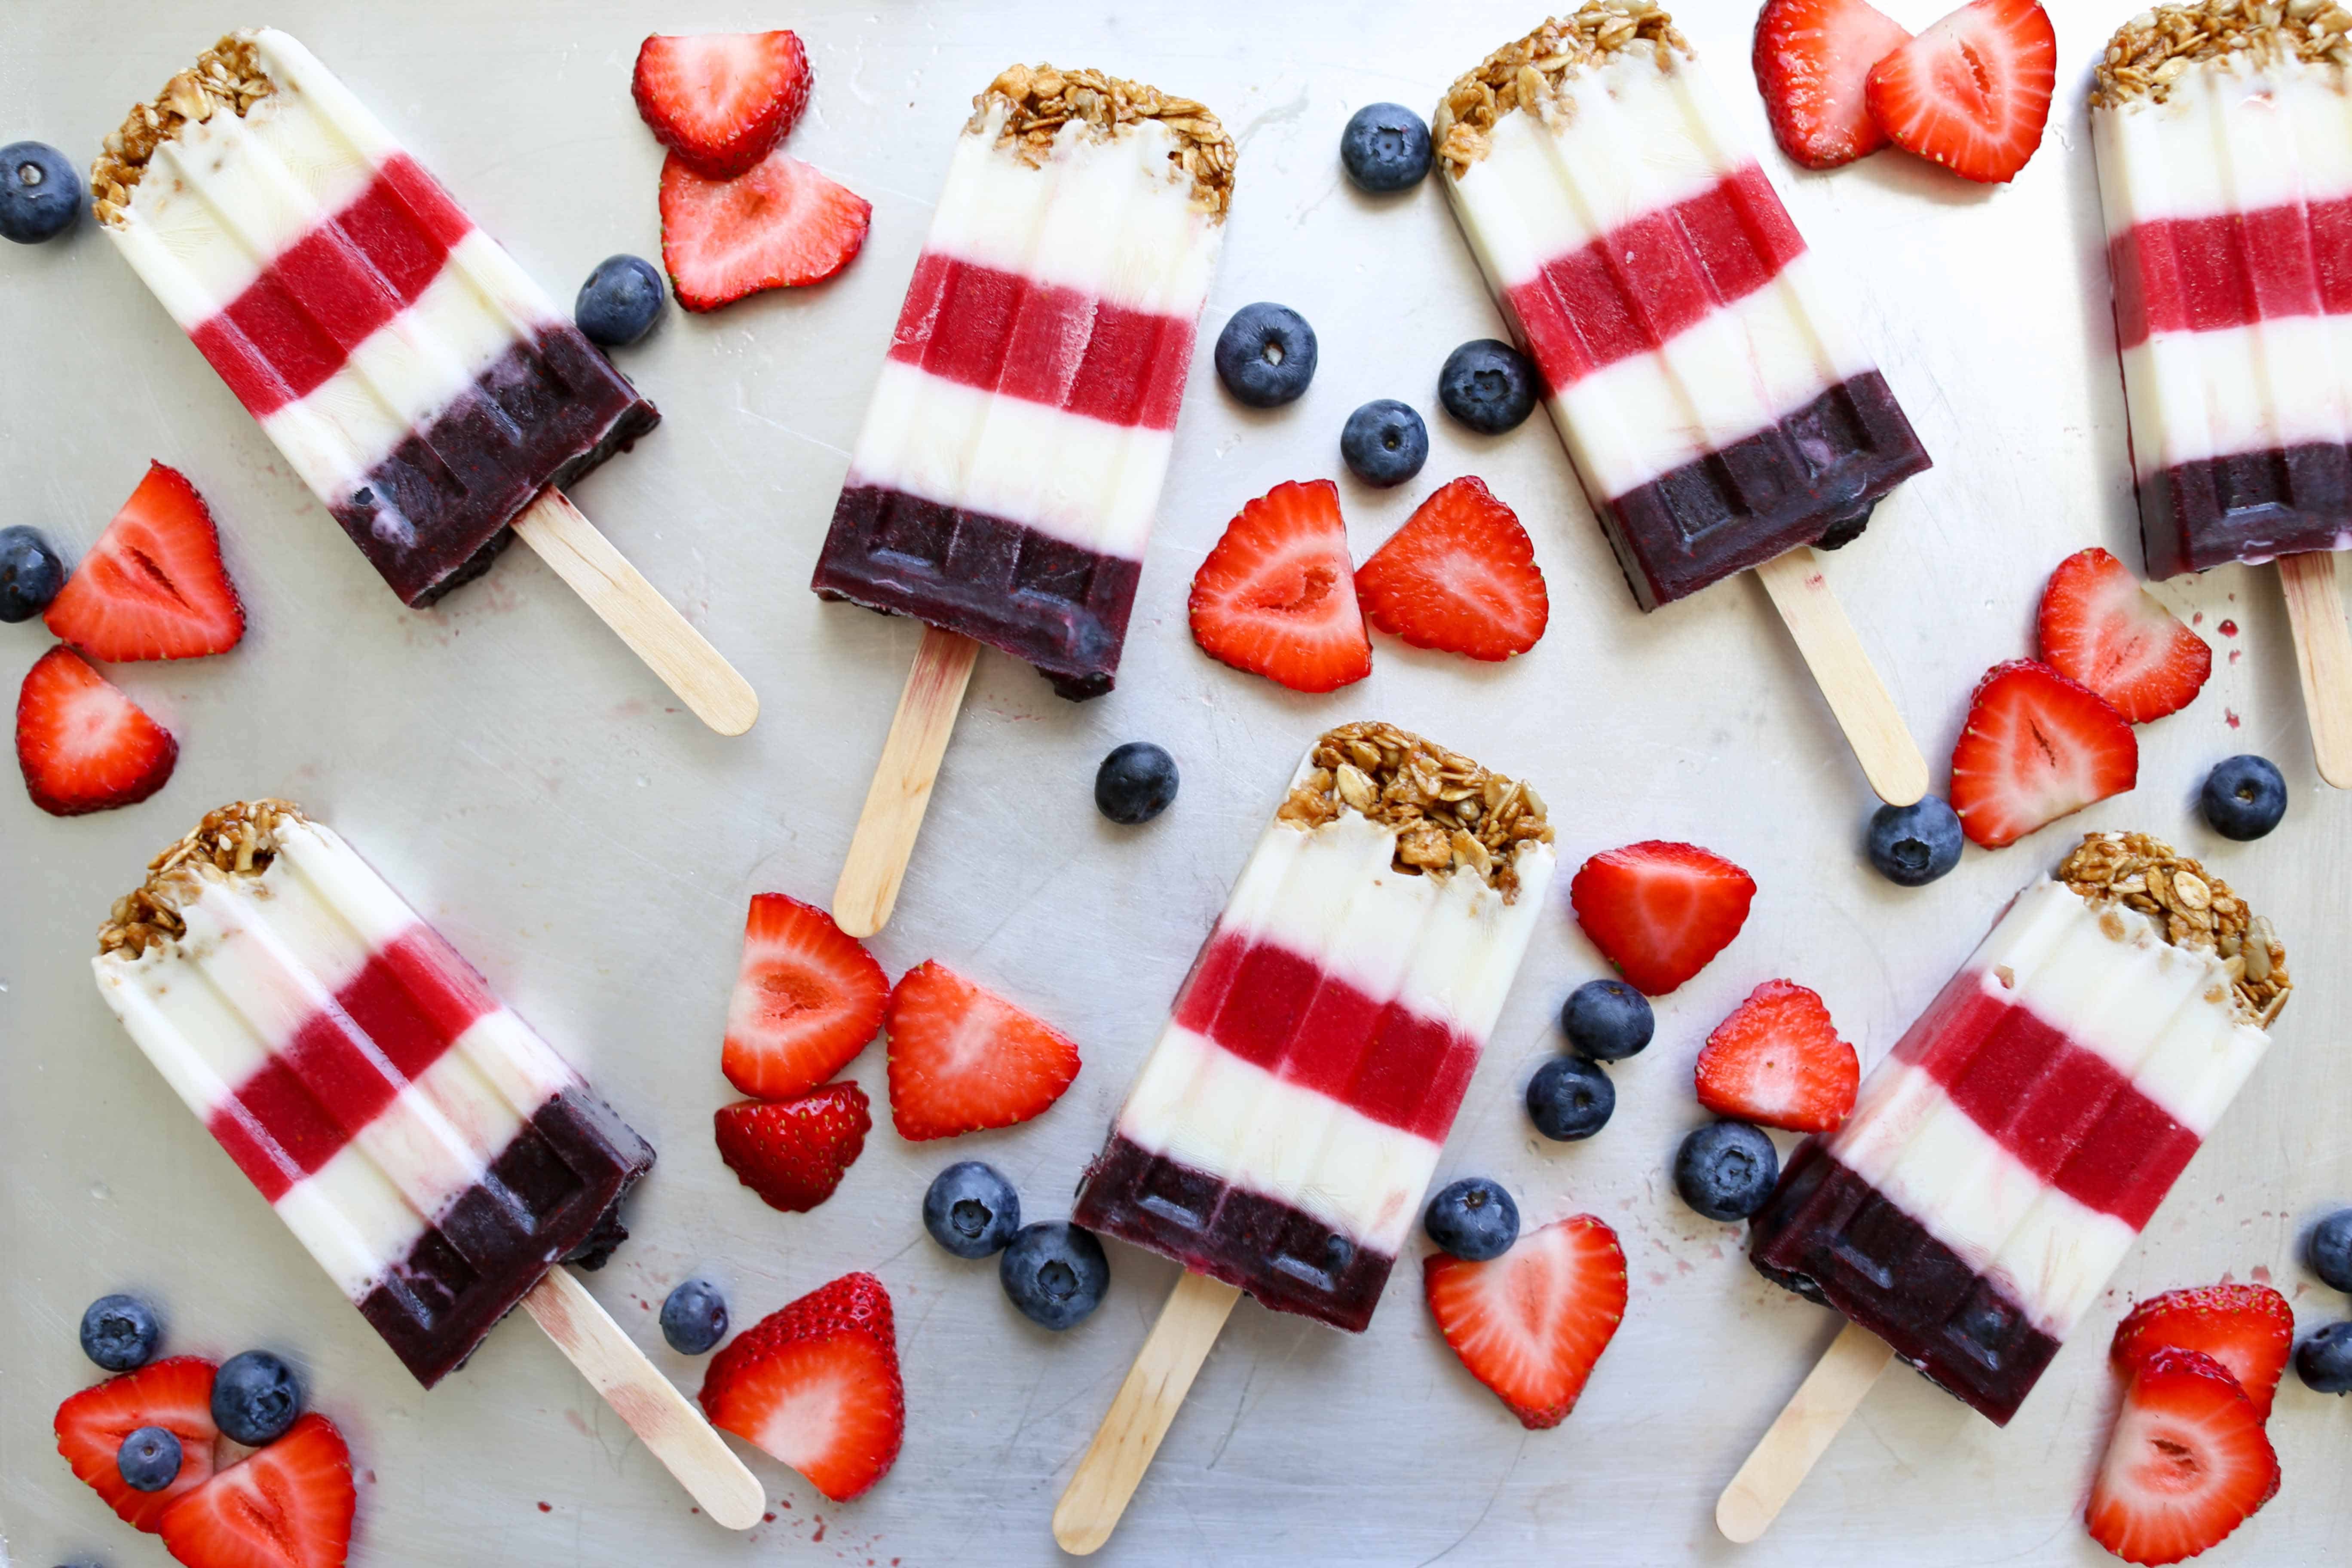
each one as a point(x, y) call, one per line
point(511, 769)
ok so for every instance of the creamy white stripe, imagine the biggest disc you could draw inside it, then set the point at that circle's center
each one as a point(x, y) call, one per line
point(350, 1216)
point(2279, 383)
point(2231, 136)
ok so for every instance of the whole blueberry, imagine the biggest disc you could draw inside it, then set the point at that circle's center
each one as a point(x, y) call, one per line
point(120, 1333)
point(1266, 355)
point(1135, 784)
point(1569, 1099)
point(970, 1209)
point(1385, 148)
point(2323, 1360)
point(30, 572)
point(1384, 443)
point(693, 1316)
point(1488, 386)
point(40, 193)
point(1607, 1020)
point(2244, 797)
point(255, 1398)
point(1913, 844)
point(2330, 1250)
point(620, 302)
point(1054, 1272)
point(1726, 1170)
point(1474, 1218)
point(149, 1459)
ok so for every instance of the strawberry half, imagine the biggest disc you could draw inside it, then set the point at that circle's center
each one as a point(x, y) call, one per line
point(289, 1505)
point(2036, 747)
point(1972, 92)
point(1276, 596)
point(1811, 59)
point(962, 1059)
point(1778, 1060)
point(175, 1393)
point(2187, 1464)
point(721, 101)
point(816, 1385)
point(777, 224)
point(794, 1153)
point(1530, 1323)
point(807, 999)
point(2249, 1329)
point(2100, 627)
point(1459, 576)
point(82, 744)
point(1659, 912)
point(153, 585)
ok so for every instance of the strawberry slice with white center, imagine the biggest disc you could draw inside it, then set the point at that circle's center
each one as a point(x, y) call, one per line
point(175, 1393)
point(1972, 92)
point(289, 1505)
point(1811, 59)
point(82, 744)
point(2187, 1464)
point(779, 224)
point(2249, 1329)
point(1276, 596)
point(2099, 626)
point(721, 101)
point(1778, 1060)
point(1459, 576)
point(1660, 912)
point(962, 1059)
point(807, 998)
point(2036, 747)
point(816, 1385)
point(153, 585)
point(1530, 1323)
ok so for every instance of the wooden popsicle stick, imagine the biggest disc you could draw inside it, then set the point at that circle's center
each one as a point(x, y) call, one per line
point(1781, 1460)
point(901, 790)
point(1858, 700)
point(1138, 1417)
point(2323, 653)
point(648, 623)
point(664, 1421)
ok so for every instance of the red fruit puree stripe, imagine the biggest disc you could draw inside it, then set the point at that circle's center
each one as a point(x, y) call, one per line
point(2232, 269)
point(321, 297)
point(1635, 288)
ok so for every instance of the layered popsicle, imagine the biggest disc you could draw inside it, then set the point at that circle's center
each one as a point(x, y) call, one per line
point(1010, 465)
point(2223, 137)
point(1283, 1131)
point(1713, 403)
point(414, 376)
point(427, 1148)
point(2003, 1158)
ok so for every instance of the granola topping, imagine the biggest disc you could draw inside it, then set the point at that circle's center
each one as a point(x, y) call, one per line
point(1449, 811)
point(1531, 73)
point(237, 840)
point(2191, 907)
point(229, 75)
point(2149, 52)
point(1040, 99)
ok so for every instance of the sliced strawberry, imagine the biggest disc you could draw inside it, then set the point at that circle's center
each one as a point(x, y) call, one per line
point(1811, 58)
point(1972, 92)
point(82, 744)
point(1659, 912)
point(780, 224)
point(721, 101)
point(816, 1385)
point(2100, 627)
point(1277, 595)
point(1530, 1323)
point(289, 1505)
point(2036, 747)
point(2249, 1329)
point(807, 999)
point(1459, 576)
point(962, 1059)
point(2188, 1461)
point(175, 1393)
point(153, 585)
point(1778, 1060)
point(795, 1152)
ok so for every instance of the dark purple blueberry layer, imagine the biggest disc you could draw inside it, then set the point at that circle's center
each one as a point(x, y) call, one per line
point(554, 1189)
point(1288, 1260)
point(1833, 1238)
point(1811, 479)
point(1055, 604)
point(432, 515)
point(2251, 505)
